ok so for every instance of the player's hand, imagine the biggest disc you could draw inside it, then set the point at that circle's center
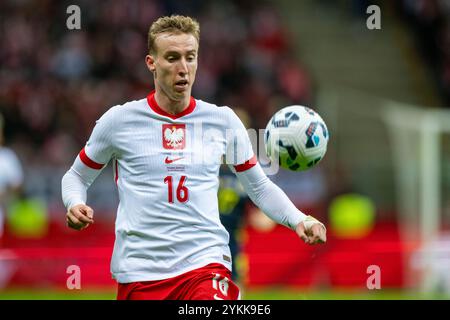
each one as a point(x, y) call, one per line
point(311, 231)
point(80, 217)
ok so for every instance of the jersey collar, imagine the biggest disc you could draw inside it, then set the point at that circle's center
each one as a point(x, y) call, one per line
point(156, 108)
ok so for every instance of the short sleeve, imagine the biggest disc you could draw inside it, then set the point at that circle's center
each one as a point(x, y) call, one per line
point(99, 148)
point(239, 152)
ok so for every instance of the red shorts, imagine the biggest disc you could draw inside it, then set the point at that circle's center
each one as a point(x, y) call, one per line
point(207, 283)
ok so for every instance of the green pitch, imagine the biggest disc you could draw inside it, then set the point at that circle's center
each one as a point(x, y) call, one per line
point(266, 294)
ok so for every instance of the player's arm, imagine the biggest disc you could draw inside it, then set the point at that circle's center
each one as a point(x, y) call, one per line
point(262, 191)
point(74, 186)
point(276, 204)
point(85, 169)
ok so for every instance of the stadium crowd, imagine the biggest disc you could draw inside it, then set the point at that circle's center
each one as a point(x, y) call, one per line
point(430, 20)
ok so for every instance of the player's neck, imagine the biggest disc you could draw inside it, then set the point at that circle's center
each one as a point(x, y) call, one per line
point(169, 105)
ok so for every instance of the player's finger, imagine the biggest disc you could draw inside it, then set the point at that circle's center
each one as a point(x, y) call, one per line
point(320, 233)
point(305, 238)
point(301, 233)
point(323, 236)
point(88, 212)
point(71, 225)
point(81, 216)
point(314, 236)
point(320, 236)
point(72, 219)
point(73, 222)
point(314, 239)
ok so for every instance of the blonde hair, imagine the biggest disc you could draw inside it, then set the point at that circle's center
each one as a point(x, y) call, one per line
point(174, 24)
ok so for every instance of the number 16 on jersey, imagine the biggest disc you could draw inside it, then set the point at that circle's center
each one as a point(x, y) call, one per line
point(182, 191)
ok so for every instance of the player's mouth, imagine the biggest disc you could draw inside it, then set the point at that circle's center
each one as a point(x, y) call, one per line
point(181, 85)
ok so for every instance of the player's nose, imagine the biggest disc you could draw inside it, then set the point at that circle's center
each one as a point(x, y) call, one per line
point(183, 68)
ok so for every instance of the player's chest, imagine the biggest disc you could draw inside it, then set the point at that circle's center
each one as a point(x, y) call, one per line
point(172, 146)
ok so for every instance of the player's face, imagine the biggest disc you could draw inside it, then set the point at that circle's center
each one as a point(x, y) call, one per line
point(174, 64)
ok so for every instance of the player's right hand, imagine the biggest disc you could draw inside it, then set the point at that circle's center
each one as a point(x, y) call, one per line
point(312, 231)
point(79, 217)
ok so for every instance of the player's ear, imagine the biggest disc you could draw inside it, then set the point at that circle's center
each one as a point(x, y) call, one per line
point(150, 62)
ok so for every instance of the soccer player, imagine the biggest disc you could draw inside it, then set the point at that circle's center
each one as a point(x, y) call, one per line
point(11, 175)
point(11, 180)
point(166, 151)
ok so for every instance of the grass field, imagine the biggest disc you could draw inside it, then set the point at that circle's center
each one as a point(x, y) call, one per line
point(266, 294)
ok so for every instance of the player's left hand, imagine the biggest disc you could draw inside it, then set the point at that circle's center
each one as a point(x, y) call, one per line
point(311, 231)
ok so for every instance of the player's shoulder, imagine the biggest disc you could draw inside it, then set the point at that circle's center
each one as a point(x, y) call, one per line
point(211, 107)
point(120, 111)
point(128, 106)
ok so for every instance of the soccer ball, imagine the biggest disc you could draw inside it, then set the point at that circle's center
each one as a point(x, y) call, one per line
point(297, 137)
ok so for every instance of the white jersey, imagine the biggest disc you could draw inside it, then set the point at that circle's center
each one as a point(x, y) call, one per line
point(166, 169)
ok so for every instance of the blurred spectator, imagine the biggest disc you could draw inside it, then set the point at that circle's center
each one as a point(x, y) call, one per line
point(11, 176)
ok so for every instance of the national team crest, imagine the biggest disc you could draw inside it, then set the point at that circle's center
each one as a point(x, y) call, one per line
point(174, 136)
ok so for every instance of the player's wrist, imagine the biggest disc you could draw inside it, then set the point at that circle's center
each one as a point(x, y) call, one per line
point(73, 204)
point(297, 219)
